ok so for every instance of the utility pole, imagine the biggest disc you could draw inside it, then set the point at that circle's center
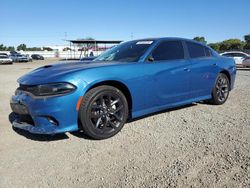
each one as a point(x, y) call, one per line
point(65, 38)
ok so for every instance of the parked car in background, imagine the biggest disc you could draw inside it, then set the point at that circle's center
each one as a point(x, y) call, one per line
point(29, 57)
point(238, 56)
point(4, 59)
point(19, 58)
point(5, 54)
point(131, 80)
point(37, 57)
point(246, 62)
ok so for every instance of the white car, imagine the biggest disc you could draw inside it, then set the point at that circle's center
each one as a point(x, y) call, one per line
point(238, 56)
point(246, 62)
point(4, 59)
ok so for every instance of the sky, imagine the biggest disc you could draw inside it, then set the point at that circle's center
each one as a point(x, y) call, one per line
point(49, 22)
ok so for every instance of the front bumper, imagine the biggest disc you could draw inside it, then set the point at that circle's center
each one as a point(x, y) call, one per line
point(6, 62)
point(49, 115)
point(35, 129)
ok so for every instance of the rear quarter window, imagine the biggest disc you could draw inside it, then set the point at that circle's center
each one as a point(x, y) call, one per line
point(197, 51)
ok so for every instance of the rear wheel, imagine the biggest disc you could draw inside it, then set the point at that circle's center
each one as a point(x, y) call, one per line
point(103, 112)
point(221, 90)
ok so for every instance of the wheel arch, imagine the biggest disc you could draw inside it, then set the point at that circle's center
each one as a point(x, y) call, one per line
point(228, 76)
point(119, 85)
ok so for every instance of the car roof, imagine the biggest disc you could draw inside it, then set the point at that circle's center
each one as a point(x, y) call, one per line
point(169, 38)
point(173, 38)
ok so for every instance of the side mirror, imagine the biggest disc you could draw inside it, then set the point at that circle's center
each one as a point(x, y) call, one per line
point(150, 59)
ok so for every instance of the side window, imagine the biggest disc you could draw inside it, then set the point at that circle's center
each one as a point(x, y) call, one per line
point(239, 55)
point(169, 50)
point(195, 50)
point(227, 55)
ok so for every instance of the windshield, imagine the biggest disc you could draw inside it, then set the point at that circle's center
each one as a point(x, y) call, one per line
point(126, 52)
point(3, 56)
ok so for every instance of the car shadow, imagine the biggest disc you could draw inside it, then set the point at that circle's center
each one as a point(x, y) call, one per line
point(80, 133)
point(36, 137)
point(162, 112)
point(205, 103)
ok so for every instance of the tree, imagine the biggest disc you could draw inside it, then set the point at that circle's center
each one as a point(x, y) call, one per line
point(22, 47)
point(247, 39)
point(215, 46)
point(231, 44)
point(11, 48)
point(2, 47)
point(200, 39)
point(247, 46)
point(5, 48)
point(34, 49)
point(47, 49)
point(66, 49)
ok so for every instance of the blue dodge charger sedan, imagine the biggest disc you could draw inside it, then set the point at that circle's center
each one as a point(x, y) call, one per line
point(133, 79)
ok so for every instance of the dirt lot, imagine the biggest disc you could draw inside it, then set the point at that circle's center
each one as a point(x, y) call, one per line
point(195, 146)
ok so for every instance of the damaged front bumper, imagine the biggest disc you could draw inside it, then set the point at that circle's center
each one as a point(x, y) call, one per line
point(34, 129)
point(44, 116)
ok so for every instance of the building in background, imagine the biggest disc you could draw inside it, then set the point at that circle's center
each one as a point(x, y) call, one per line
point(76, 49)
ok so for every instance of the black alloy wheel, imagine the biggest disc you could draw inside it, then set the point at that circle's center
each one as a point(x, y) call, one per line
point(103, 112)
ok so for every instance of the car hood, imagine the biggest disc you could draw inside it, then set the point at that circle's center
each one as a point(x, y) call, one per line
point(51, 72)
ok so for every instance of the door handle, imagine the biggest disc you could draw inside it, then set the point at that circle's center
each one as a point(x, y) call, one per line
point(186, 69)
point(214, 64)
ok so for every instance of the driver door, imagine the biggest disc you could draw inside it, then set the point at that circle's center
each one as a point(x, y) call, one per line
point(169, 82)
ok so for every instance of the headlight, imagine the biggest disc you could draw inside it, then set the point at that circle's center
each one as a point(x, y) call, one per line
point(49, 89)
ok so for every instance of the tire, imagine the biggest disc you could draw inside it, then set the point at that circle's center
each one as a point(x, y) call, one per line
point(220, 91)
point(103, 112)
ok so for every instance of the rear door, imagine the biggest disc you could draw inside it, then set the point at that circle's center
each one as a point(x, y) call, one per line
point(170, 74)
point(204, 69)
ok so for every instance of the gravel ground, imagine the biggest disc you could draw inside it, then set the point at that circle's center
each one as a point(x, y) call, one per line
point(198, 145)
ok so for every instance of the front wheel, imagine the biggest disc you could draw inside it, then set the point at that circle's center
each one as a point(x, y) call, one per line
point(221, 90)
point(103, 112)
